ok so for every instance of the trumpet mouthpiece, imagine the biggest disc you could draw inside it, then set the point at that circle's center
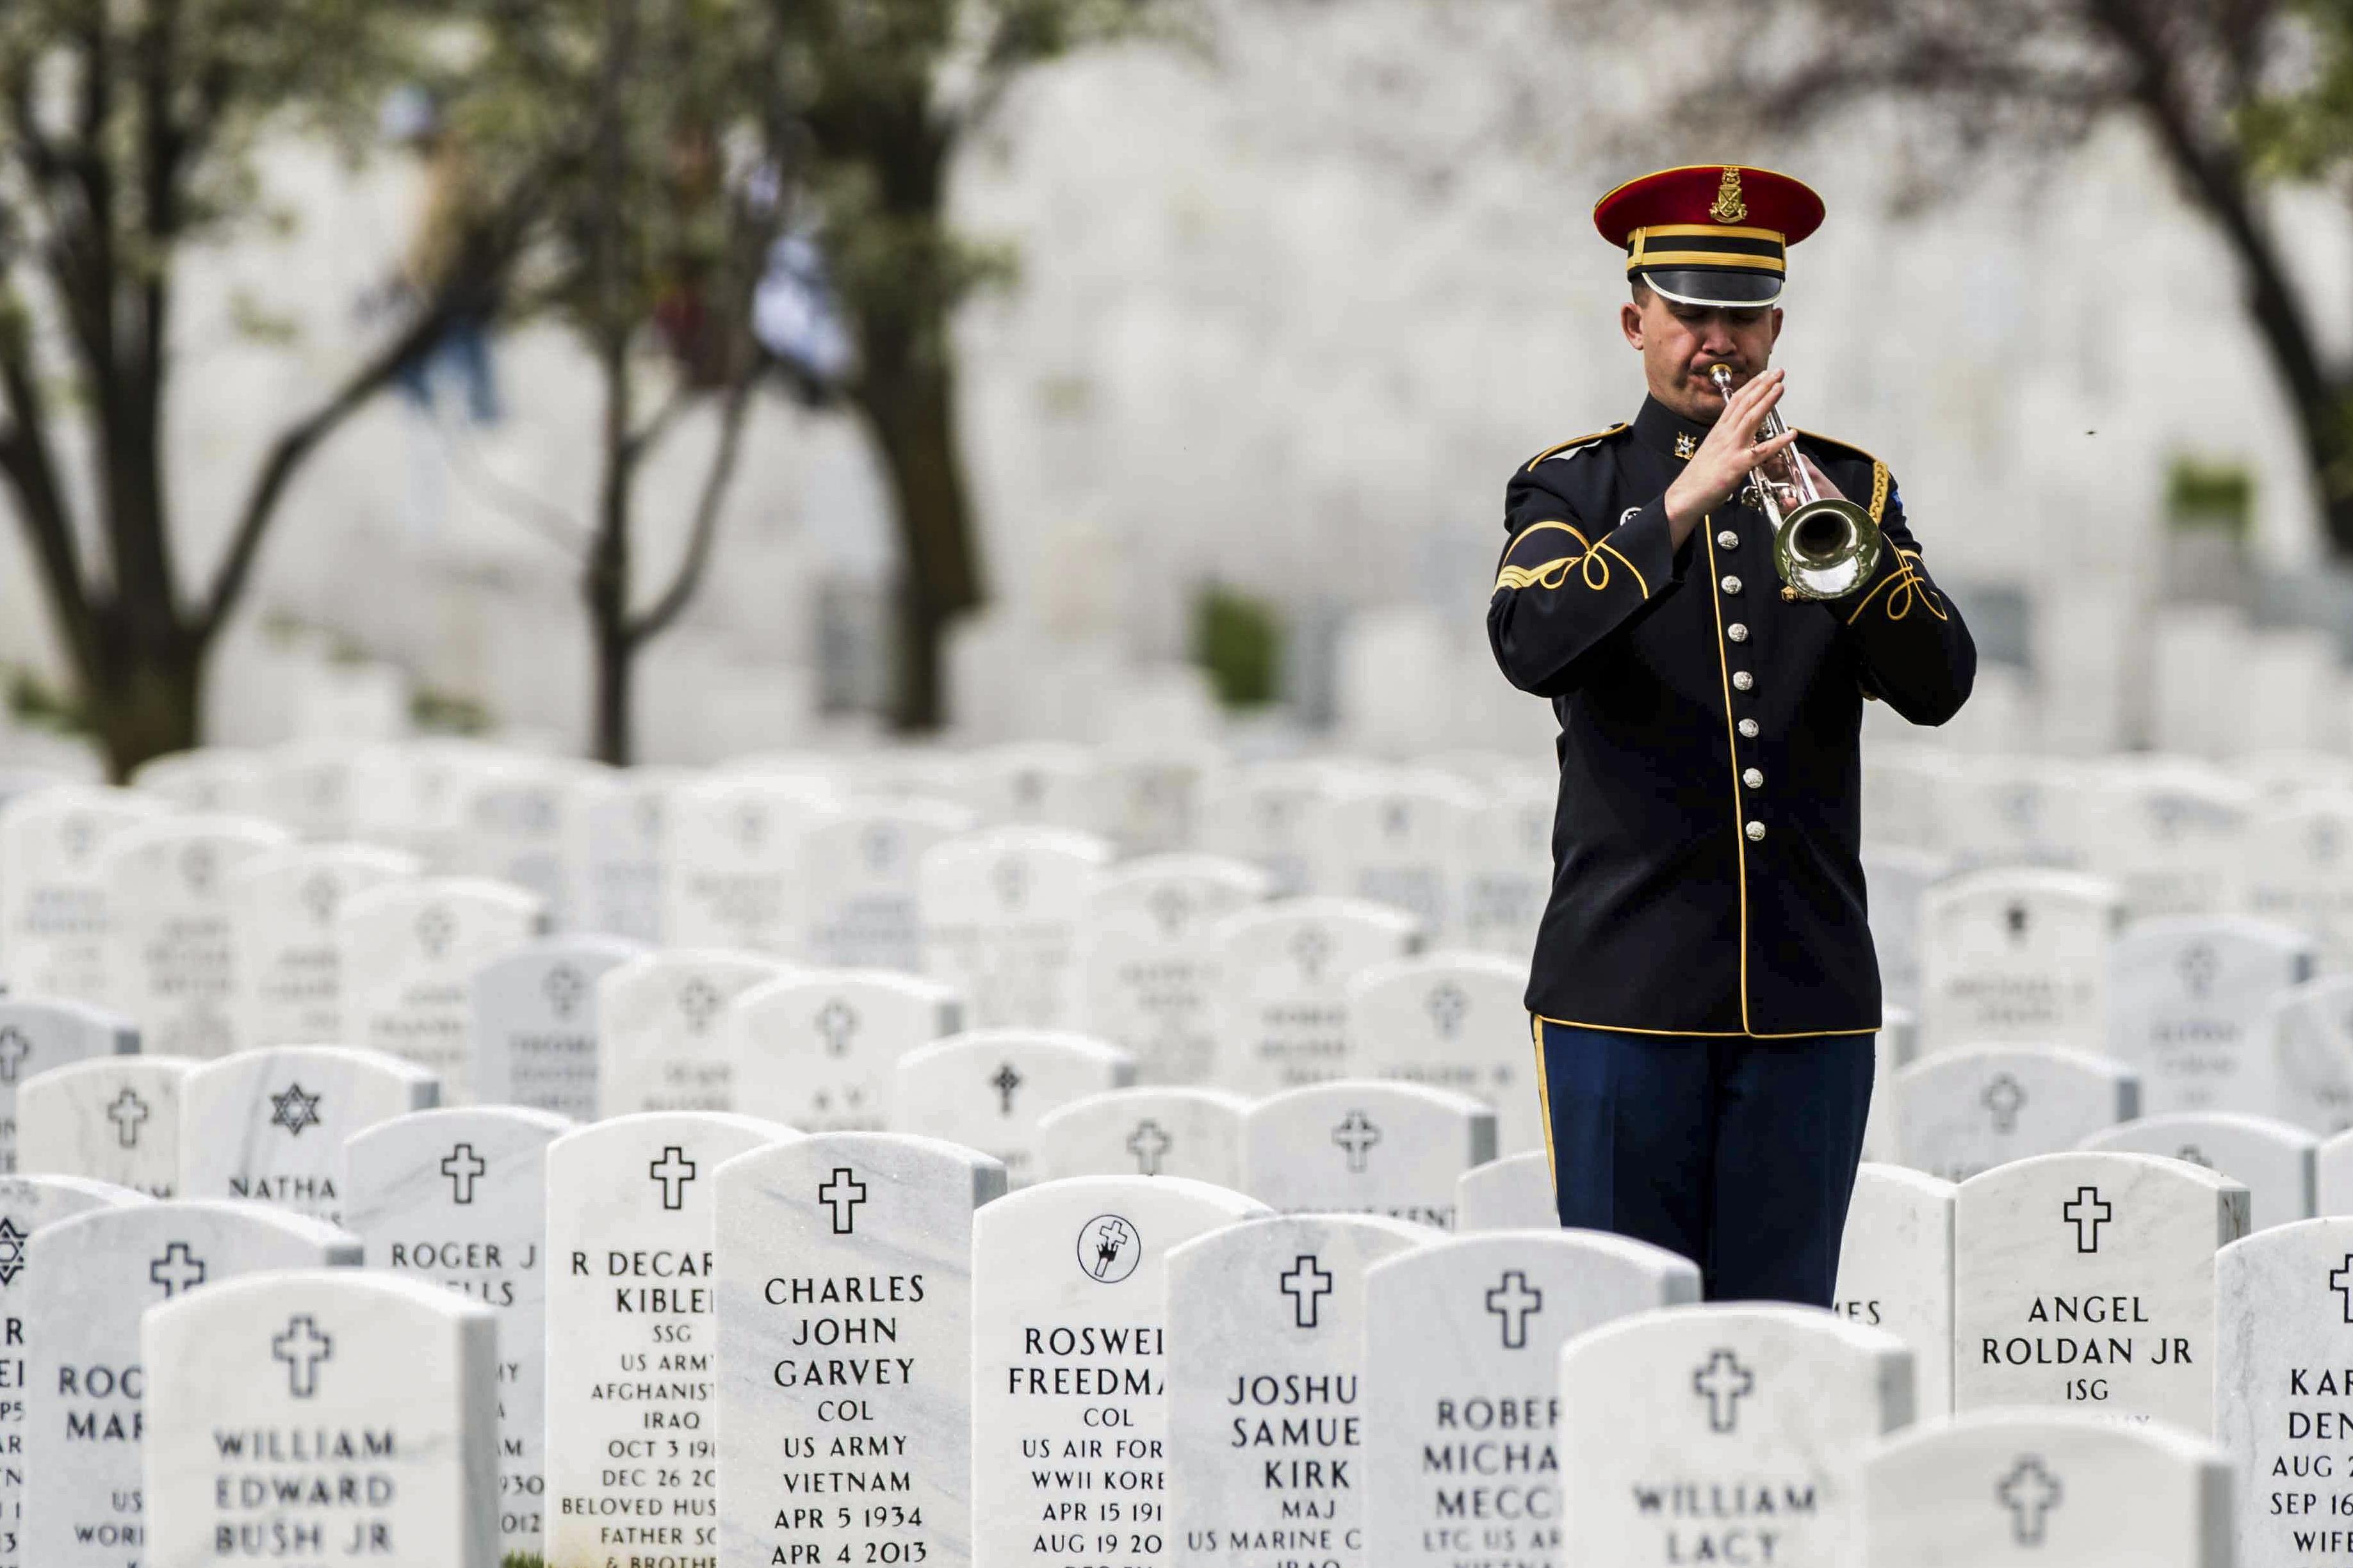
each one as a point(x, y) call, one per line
point(1720, 374)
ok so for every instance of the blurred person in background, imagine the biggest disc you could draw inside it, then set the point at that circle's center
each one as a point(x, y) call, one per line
point(1704, 992)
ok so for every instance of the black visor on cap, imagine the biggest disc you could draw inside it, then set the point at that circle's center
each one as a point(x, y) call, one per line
point(1737, 288)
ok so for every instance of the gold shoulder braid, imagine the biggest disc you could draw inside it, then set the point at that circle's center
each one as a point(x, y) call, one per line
point(1580, 441)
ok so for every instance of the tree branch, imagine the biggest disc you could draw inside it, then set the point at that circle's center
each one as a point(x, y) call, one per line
point(30, 467)
point(674, 599)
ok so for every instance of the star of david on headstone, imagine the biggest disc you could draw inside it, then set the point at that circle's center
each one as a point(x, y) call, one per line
point(564, 987)
point(12, 1250)
point(1357, 1135)
point(1307, 1284)
point(1010, 879)
point(881, 844)
point(129, 1113)
point(1310, 948)
point(2005, 1098)
point(1447, 1005)
point(2340, 1279)
point(14, 1048)
point(199, 865)
point(1512, 1302)
point(1724, 1383)
point(2198, 966)
point(673, 1170)
point(1169, 907)
point(178, 1270)
point(842, 1193)
point(2087, 1212)
point(836, 1021)
point(434, 929)
point(2014, 921)
point(320, 896)
point(293, 1110)
point(1148, 1143)
point(698, 1002)
point(462, 1168)
point(302, 1347)
point(1005, 1081)
point(2030, 1492)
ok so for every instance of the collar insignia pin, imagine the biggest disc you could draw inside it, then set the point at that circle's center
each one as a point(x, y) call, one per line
point(1685, 445)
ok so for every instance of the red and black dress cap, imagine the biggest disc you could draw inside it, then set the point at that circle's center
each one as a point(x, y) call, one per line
point(1710, 234)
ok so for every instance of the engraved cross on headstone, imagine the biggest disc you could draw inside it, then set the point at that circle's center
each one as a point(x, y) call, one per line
point(129, 1113)
point(698, 1001)
point(178, 1270)
point(2030, 1492)
point(1307, 1284)
point(462, 1168)
point(2005, 1098)
point(564, 988)
point(1005, 1081)
point(1356, 1135)
point(673, 1170)
point(2087, 1212)
point(302, 1347)
point(1148, 1143)
point(835, 1023)
point(1724, 1383)
point(14, 1048)
point(2340, 1279)
point(842, 1193)
point(1448, 1006)
point(1513, 1302)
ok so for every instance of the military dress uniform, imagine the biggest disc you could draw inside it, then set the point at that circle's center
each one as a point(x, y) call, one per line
point(1704, 988)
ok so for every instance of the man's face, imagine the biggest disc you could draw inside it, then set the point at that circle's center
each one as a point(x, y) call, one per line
point(1679, 343)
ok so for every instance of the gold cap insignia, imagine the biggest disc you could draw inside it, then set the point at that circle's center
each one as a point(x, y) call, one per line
point(1728, 208)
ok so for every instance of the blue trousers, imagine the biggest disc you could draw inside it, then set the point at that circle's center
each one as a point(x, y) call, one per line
point(1737, 1153)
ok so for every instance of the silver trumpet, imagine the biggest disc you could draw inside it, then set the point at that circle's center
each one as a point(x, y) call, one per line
point(1824, 547)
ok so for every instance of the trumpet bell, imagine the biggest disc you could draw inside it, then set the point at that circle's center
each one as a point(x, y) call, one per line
point(1826, 549)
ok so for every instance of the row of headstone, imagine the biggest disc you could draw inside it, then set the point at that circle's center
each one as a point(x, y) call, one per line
point(852, 1340)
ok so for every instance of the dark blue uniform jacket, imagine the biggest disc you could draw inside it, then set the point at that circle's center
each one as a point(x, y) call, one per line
point(1705, 870)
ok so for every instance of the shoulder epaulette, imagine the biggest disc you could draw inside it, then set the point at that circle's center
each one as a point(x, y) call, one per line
point(1879, 476)
point(1570, 449)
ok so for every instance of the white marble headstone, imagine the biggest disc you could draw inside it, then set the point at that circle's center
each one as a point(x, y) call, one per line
point(2297, 867)
point(53, 920)
point(1150, 969)
point(661, 1045)
point(1454, 1021)
point(988, 1088)
point(2312, 1041)
point(1266, 1361)
point(733, 861)
point(1002, 912)
point(2275, 1162)
point(533, 1017)
point(306, 788)
point(513, 828)
point(1285, 968)
point(171, 959)
point(1962, 1111)
point(2168, 835)
point(1271, 815)
point(1893, 1048)
point(26, 1204)
point(1515, 1193)
point(1724, 1435)
point(616, 821)
point(857, 894)
point(2034, 1489)
point(2189, 1001)
point(1461, 1407)
point(1507, 867)
point(2283, 1299)
point(1070, 1369)
point(91, 1278)
point(270, 1124)
point(39, 1036)
point(1899, 879)
point(630, 1249)
point(844, 1307)
point(282, 908)
point(458, 1198)
point(410, 949)
point(325, 1416)
point(1362, 1146)
point(2016, 955)
point(1149, 1132)
point(820, 1048)
point(1400, 843)
point(111, 1118)
point(2088, 1281)
point(1896, 1270)
point(205, 778)
point(1043, 783)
